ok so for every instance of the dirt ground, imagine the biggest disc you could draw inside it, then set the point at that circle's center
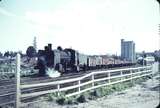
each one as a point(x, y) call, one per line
point(145, 95)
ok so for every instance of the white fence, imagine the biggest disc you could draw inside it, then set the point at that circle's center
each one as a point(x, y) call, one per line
point(96, 79)
point(75, 86)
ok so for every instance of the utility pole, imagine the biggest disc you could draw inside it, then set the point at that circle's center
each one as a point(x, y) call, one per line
point(35, 43)
point(17, 75)
point(159, 37)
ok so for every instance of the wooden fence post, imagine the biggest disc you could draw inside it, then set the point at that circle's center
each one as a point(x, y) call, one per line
point(152, 71)
point(109, 77)
point(92, 80)
point(58, 87)
point(79, 87)
point(17, 75)
point(121, 75)
point(131, 76)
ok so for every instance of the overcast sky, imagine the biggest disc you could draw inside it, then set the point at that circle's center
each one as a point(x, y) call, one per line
point(89, 26)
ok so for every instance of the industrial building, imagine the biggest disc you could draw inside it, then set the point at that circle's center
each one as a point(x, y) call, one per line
point(128, 50)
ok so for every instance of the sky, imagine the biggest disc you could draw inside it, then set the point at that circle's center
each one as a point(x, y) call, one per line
point(89, 26)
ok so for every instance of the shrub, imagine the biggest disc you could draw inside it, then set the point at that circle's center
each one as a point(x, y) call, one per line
point(71, 101)
point(82, 98)
point(96, 93)
point(117, 87)
point(50, 97)
point(61, 101)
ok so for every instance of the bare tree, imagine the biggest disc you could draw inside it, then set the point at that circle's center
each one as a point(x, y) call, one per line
point(31, 52)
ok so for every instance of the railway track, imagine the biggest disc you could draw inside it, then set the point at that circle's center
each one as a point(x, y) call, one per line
point(7, 87)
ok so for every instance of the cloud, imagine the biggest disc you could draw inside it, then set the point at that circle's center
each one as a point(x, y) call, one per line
point(7, 13)
point(43, 18)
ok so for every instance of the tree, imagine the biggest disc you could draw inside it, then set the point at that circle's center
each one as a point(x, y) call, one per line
point(6, 54)
point(12, 54)
point(1, 54)
point(31, 51)
point(59, 48)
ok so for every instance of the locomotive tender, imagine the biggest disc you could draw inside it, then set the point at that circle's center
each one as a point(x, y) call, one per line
point(70, 60)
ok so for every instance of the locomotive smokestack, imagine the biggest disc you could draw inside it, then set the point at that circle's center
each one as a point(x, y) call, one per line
point(46, 48)
point(50, 47)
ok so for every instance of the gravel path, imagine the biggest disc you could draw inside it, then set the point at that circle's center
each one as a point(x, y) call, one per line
point(146, 95)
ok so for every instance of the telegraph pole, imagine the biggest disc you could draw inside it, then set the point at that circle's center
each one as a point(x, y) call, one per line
point(17, 75)
point(159, 34)
point(35, 43)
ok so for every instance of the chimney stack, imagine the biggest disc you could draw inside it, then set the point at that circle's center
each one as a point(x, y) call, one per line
point(50, 47)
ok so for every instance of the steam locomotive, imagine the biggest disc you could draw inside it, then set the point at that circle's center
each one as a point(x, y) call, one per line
point(70, 60)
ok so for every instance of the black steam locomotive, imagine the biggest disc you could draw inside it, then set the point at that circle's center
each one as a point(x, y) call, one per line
point(69, 60)
point(66, 60)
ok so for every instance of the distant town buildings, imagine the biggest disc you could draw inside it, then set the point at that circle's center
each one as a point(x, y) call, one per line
point(128, 50)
